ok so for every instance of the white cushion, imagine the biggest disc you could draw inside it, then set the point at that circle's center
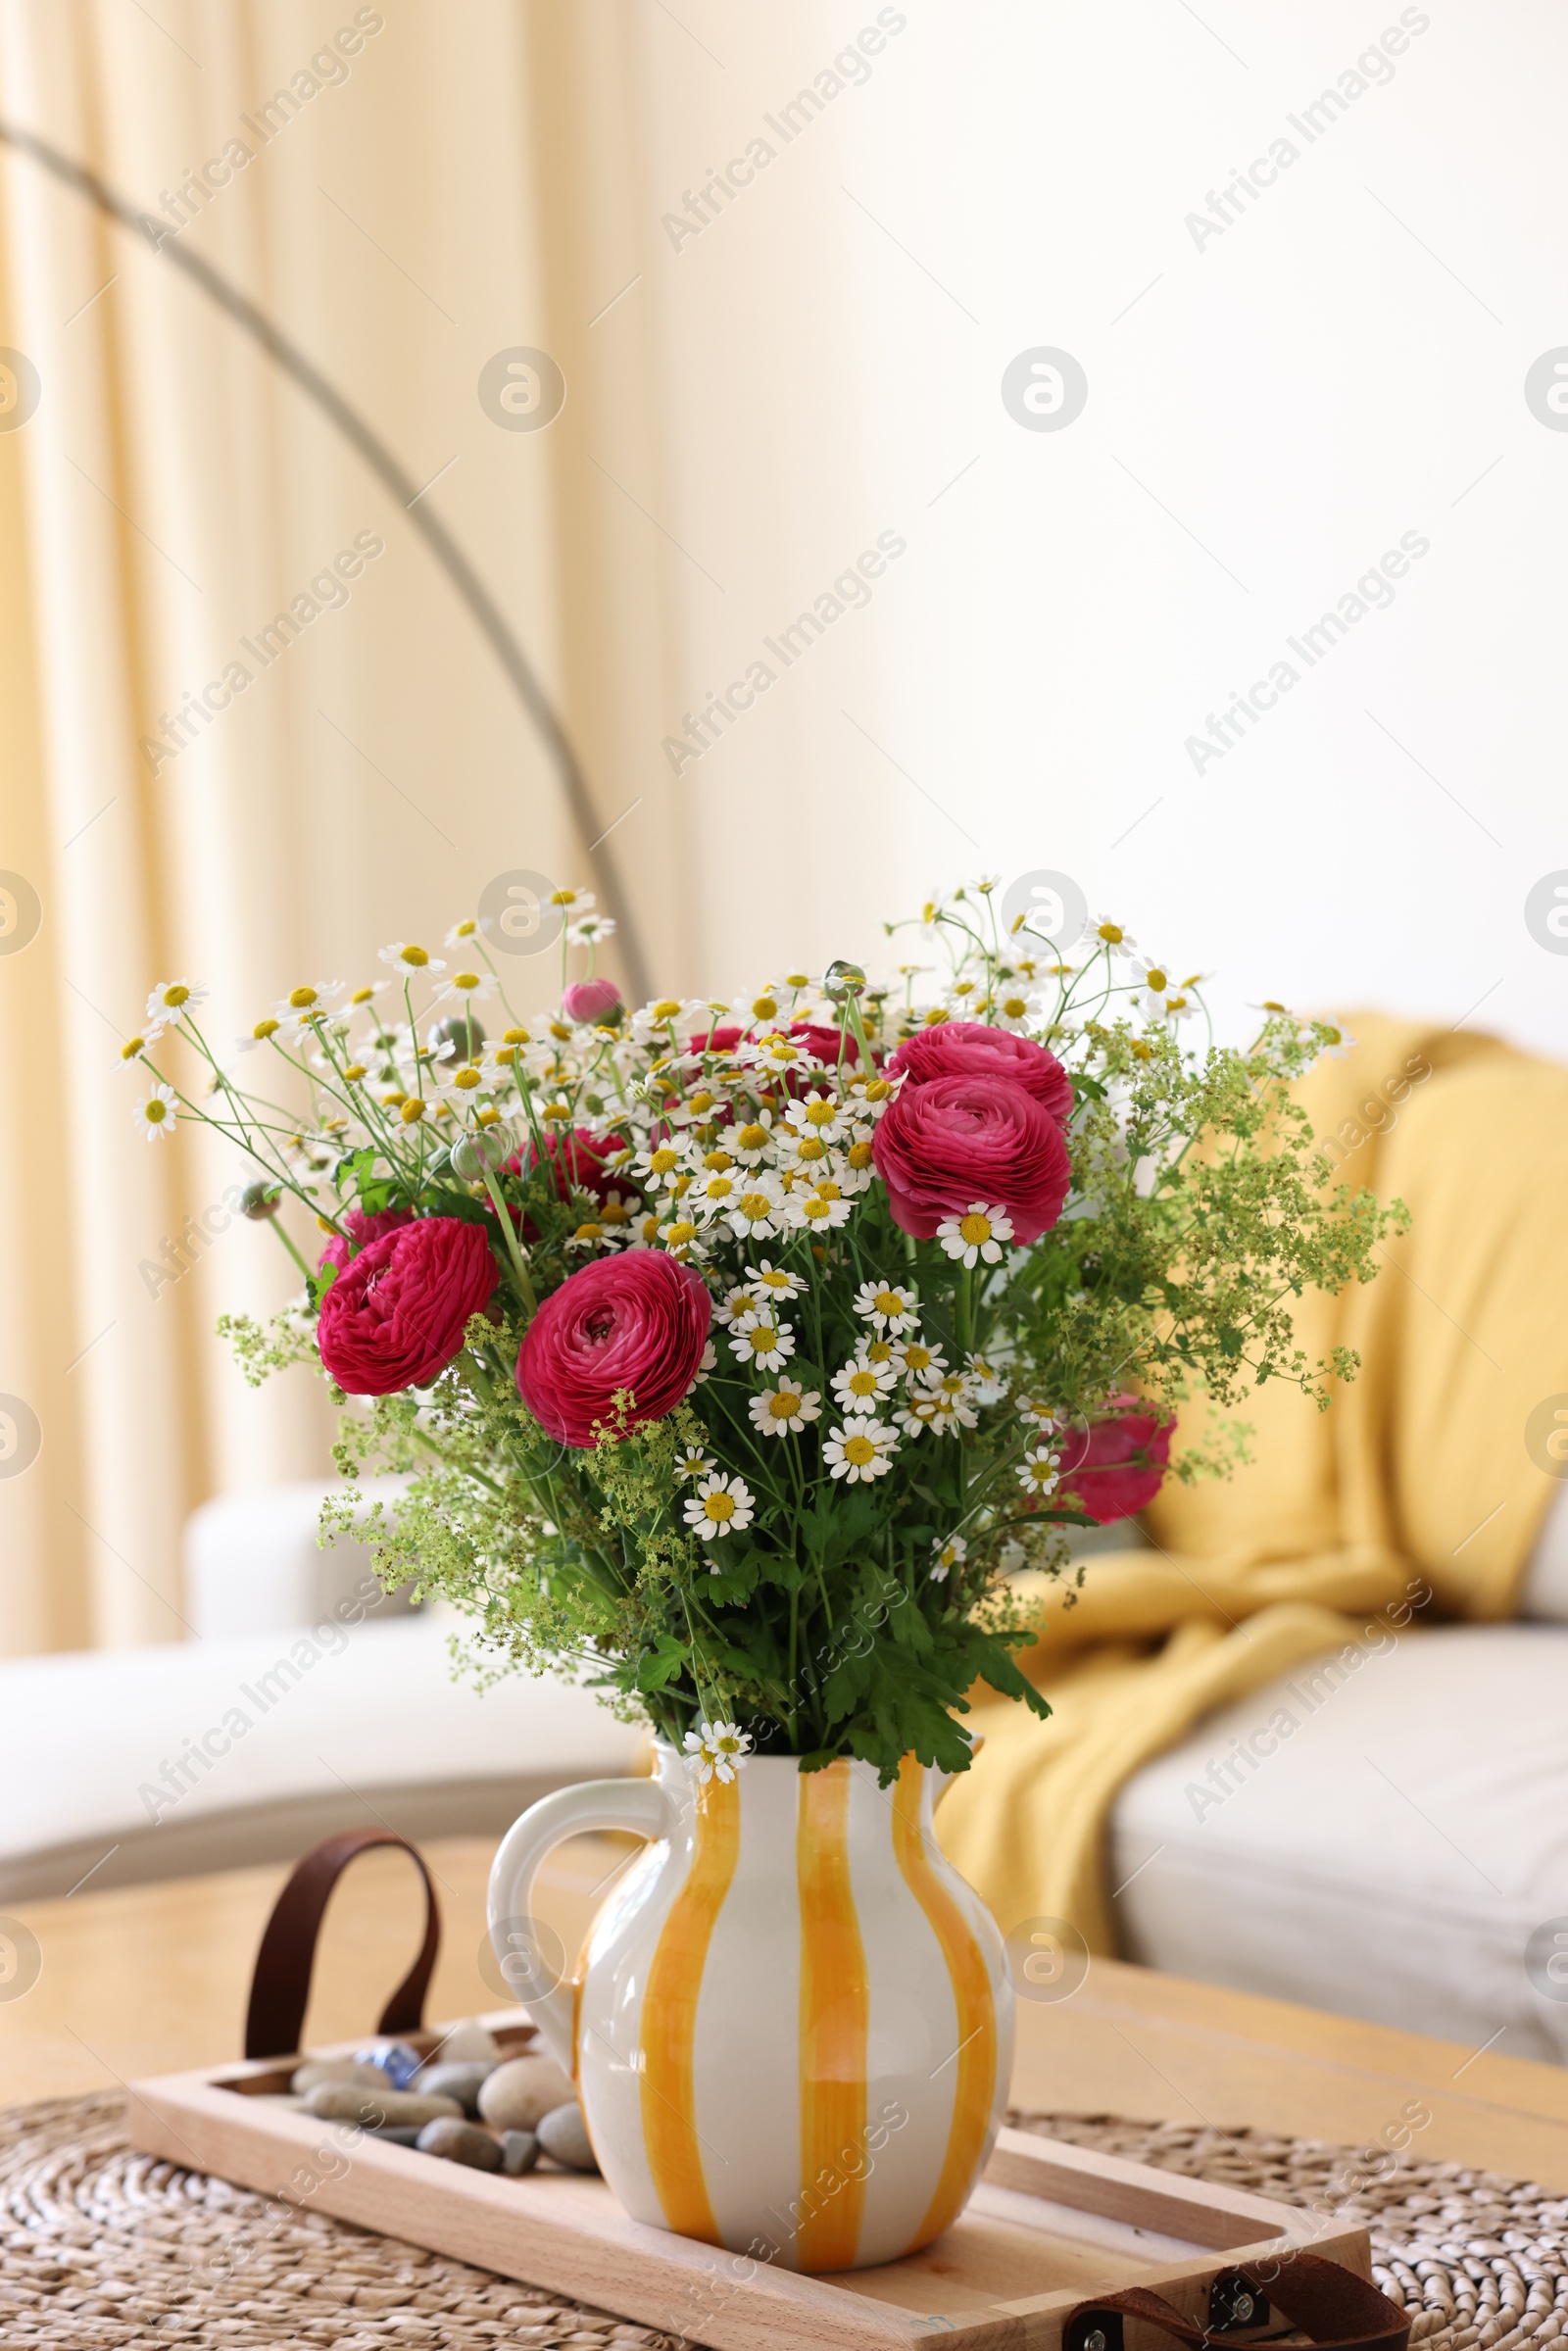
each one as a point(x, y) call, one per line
point(254, 1564)
point(1390, 1857)
point(1545, 1593)
point(305, 1732)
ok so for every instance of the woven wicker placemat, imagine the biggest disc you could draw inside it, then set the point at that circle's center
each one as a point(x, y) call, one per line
point(102, 2246)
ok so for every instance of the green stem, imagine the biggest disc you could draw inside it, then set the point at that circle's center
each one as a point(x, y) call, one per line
point(508, 1234)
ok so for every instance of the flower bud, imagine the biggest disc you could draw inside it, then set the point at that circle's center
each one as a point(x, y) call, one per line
point(259, 1201)
point(462, 1032)
point(841, 981)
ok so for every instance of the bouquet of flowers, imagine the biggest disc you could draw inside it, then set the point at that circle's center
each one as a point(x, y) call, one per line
point(744, 1352)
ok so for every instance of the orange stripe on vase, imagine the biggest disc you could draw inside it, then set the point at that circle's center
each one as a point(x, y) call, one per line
point(973, 2002)
point(835, 2019)
point(669, 2035)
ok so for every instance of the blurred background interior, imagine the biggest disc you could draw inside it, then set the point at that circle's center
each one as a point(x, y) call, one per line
point(598, 341)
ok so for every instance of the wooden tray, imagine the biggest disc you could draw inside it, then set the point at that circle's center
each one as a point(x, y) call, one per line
point(1050, 2226)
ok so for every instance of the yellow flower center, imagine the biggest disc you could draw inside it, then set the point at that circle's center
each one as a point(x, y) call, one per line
point(1156, 980)
point(465, 980)
point(935, 1017)
point(718, 1507)
point(299, 997)
point(489, 1116)
point(131, 1048)
point(772, 1278)
point(682, 1233)
point(816, 1208)
point(362, 996)
point(877, 1090)
point(265, 1028)
point(821, 1113)
point(464, 930)
point(763, 1009)
point(701, 1101)
point(175, 996)
point(796, 979)
point(557, 1110)
point(888, 1301)
point(718, 1187)
point(155, 1112)
point(751, 1137)
point(718, 1161)
point(916, 1358)
point(861, 1382)
point(826, 1191)
point(785, 1404)
point(467, 1078)
point(763, 1339)
point(754, 1205)
point(613, 1212)
point(412, 1111)
point(589, 1232)
point(662, 1161)
point(811, 1146)
point(879, 1352)
point(860, 1450)
point(1015, 1007)
point(354, 1070)
point(975, 1229)
point(858, 1154)
point(417, 956)
point(514, 1037)
point(1112, 933)
point(561, 1028)
point(563, 898)
point(665, 1009)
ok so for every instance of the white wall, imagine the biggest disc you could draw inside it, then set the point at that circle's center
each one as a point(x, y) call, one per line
point(1340, 367)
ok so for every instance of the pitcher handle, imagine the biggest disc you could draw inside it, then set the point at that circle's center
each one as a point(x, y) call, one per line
point(638, 1805)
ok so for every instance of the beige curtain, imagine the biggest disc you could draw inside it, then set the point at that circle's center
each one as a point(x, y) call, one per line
point(471, 180)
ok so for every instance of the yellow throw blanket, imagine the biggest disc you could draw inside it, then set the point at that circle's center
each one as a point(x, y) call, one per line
point(1416, 1479)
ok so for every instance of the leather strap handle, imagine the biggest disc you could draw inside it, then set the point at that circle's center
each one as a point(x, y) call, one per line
point(1337, 2309)
point(281, 1984)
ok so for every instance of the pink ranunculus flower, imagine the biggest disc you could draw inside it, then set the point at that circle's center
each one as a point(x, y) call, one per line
point(396, 1314)
point(1117, 1464)
point(589, 1000)
point(945, 1143)
point(637, 1322)
point(342, 1250)
point(960, 1049)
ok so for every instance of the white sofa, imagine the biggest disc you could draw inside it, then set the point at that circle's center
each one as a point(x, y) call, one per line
point(1392, 1858)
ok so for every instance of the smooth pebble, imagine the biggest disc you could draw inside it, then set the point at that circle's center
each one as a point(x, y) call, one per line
point(520, 2152)
point(564, 2136)
point(347, 2102)
point(518, 2093)
point(461, 2142)
point(400, 2134)
point(467, 2043)
point(317, 2069)
point(460, 2081)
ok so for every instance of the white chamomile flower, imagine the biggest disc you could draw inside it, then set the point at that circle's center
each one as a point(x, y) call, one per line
point(134, 1047)
point(1038, 1472)
point(860, 1385)
point(1039, 1414)
point(776, 1050)
point(869, 1096)
point(816, 1114)
point(659, 1164)
point(918, 1359)
point(1103, 933)
point(713, 1192)
point(750, 1138)
point(804, 1150)
point(300, 1011)
point(721, 1505)
point(171, 1000)
point(154, 1114)
point(757, 1209)
point(1336, 1044)
point(770, 1281)
point(716, 1752)
point(462, 1081)
point(978, 1234)
point(858, 1450)
point(986, 1384)
point(947, 1556)
point(469, 986)
point(471, 928)
point(577, 902)
point(887, 1304)
point(408, 960)
point(761, 1340)
point(710, 1362)
point(741, 1300)
point(1011, 1008)
point(779, 1409)
point(820, 1209)
point(691, 1463)
point(682, 1238)
point(592, 929)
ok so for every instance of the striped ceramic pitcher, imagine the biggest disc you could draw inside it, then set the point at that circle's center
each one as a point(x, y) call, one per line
point(792, 2033)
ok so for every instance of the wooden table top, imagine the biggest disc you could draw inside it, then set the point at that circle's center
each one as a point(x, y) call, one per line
point(153, 1979)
